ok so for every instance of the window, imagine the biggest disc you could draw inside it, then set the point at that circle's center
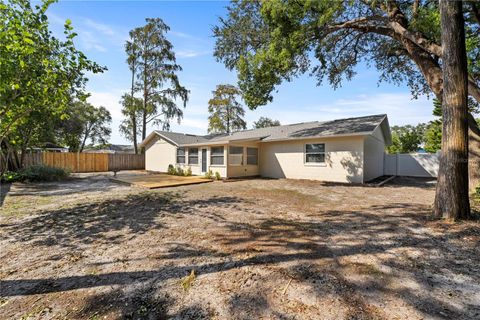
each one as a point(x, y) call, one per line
point(216, 156)
point(252, 156)
point(315, 153)
point(235, 157)
point(180, 155)
point(192, 155)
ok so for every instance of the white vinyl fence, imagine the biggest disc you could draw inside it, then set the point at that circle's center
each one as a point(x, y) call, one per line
point(412, 165)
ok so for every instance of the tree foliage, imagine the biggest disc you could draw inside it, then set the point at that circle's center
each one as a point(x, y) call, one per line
point(226, 113)
point(132, 112)
point(406, 139)
point(152, 61)
point(40, 74)
point(268, 42)
point(264, 122)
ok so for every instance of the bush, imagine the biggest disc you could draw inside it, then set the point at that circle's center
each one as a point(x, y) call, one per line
point(188, 172)
point(179, 171)
point(209, 174)
point(11, 176)
point(171, 170)
point(44, 173)
point(36, 173)
point(477, 191)
point(217, 175)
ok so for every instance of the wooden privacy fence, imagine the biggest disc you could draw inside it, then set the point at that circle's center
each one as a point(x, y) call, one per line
point(87, 162)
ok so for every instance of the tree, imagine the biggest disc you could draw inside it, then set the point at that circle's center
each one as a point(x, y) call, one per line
point(433, 136)
point(451, 198)
point(132, 112)
point(84, 123)
point(151, 57)
point(268, 42)
point(433, 132)
point(264, 122)
point(406, 139)
point(129, 127)
point(40, 75)
point(226, 113)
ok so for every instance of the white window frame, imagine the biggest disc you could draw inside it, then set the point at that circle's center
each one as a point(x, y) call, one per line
point(235, 155)
point(320, 164)
point(197, 156)
point(256, 156)
point(184, 156)
point(212, 155)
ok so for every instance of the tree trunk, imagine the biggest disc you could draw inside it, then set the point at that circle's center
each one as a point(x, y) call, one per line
point(451, 198)
point(133, 114)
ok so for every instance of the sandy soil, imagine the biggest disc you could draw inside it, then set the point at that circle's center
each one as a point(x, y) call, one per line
point(259, 249)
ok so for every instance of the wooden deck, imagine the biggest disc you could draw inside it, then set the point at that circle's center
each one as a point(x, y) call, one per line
point(154, 181)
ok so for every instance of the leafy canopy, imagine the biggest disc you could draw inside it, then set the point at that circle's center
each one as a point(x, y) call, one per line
point(406, 139)
point(226, 113)
point(40, 74)
point(264, 122)
point(268, 42)
point(152, 59)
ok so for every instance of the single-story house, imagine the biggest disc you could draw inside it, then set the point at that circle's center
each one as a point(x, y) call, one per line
point(344, 150)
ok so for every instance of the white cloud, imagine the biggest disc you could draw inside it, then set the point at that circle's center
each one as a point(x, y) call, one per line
point(100, 27)
point(191, 53)
point(109, 100)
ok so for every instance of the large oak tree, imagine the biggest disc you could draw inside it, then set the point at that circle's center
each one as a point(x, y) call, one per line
point(268, 42)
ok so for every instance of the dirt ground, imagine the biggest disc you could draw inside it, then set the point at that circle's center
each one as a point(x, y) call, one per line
point(256, 249)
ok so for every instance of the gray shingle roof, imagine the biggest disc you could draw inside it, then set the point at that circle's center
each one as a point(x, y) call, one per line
point(350, 126)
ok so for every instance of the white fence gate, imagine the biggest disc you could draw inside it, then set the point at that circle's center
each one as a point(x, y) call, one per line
point(413, 165)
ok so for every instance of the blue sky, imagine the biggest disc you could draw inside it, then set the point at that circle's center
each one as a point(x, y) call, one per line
point(103, 27)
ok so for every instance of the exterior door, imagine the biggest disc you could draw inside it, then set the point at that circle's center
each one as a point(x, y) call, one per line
point(204, 160)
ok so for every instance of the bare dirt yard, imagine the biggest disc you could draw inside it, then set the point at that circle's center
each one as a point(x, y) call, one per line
point(88, 248)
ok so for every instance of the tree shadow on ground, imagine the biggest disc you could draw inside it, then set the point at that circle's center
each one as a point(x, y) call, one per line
point(4, 189)
point(312, 250)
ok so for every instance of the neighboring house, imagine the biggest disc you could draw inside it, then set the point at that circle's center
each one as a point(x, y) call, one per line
point(112, 148)
point(49, 147)
point(345, 150)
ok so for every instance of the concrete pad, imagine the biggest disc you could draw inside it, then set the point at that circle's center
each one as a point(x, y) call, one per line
point(153, 181)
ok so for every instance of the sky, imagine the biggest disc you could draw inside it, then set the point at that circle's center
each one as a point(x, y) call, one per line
point(103, 26)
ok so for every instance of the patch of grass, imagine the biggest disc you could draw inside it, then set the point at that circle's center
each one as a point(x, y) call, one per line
point(187, 282)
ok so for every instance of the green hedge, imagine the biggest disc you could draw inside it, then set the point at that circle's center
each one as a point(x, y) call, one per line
point(36, 173)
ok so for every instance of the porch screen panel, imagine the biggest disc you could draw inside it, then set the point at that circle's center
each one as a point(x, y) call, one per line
point(192, 155)
point(216, 156)
point(235, 156)
point(252, 156)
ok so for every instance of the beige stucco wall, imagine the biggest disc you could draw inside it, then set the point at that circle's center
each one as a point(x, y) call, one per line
point(374, 150)
point(159, 154)
point(285, 159)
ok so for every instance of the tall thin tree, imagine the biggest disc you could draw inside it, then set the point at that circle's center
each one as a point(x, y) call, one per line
point(131, 49)
point(226, 113)
point(452, 185)
point(157, 77)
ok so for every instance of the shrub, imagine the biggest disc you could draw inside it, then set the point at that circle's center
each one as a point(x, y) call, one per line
point(36, 173)
point(217, 175)
point(188, 172)
point(179, 171)
point(44, 173)
point(171, 169)
point(477, 191)
point(11, 176)
point(209, 174)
